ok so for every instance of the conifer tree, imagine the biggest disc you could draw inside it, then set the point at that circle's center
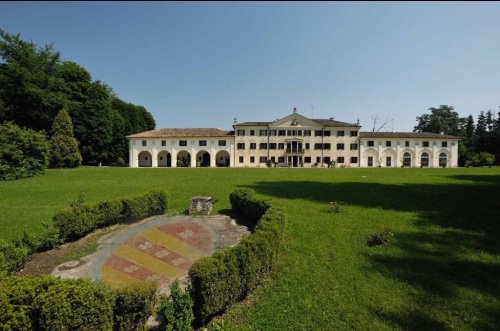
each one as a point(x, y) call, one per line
point(64, 151)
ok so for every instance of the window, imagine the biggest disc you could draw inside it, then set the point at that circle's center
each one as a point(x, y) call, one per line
point(289, 132)
point(444, 144)
point(318, 133)
point(407, 143)
point(272, 132)
point(443, 159)
point(183, 143)
point(281, 159)
point(425, 144)
point(222, 143)
point(240, 159)
point(424, 160)
point(252, 132)
point(354, 159)
point(326, 133)
point(299, 132)
point(340, 147)
point(371, 143)
point(318, 146)
point(273, 159)
point(388, 161)
point(263, 133)
point(340, 133)
point(354, 133)
point(318, 159)
point(354, 147)
point(281, 132)
point(326, 159)
point(240, 146)
point(307, 145)
point(307, 133)
point(252, 159)
point(307, 159)
point(240, 132)
point(144, 143)
point(272, 146)
point(388, 143)
point(253, 146)
point(281, 145)
point(340, 159)
point(164, 143)
point(370, 161)
point(327, 146)
point(263, 146)
point(263, 159)
point(202, 143)
point(406, 159)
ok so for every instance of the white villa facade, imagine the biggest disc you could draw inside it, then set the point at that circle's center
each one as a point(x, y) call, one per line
point(292, 141)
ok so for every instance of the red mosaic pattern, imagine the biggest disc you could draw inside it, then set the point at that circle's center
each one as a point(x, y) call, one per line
point(192, 233)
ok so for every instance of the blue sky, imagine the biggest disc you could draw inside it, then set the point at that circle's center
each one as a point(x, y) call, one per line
point(202, 64)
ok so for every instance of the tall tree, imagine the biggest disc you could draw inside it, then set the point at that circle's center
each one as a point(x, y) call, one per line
point(442, 119)
point(64, 151)
point(481, 126)
point(489, 120)
point(469, 127)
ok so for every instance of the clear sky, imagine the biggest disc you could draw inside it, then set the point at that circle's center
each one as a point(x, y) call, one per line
point(202, 64)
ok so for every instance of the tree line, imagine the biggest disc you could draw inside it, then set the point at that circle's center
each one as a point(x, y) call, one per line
point(36, 84)
point(479, 141)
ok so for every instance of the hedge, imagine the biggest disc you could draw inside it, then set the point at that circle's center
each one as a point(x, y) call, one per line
point(227, 276)
point(79, 220)
point(48, 303)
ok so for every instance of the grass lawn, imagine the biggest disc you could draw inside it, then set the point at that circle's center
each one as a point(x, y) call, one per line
point(441, 271)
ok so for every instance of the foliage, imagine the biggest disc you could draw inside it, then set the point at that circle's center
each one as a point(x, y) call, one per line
point(177, 309)
point(380, 238)
point(133, 306)
point(480, 159)
point(334, 207)
point(64, 151)
point(23, 153)
point(82, 218)
point(229, 275)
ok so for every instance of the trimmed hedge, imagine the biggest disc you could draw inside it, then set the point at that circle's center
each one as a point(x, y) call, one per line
point(227, 276)
point(79, 220)
point(48, 303)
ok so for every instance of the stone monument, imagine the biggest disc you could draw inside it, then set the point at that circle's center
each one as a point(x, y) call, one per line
point(200, 205)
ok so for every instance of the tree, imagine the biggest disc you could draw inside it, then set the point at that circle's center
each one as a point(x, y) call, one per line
point(442, 119)
point(481, 126)
point(23, 153)
point(469, 127)
point(64, 151)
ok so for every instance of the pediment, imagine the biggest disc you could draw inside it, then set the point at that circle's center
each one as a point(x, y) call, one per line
point(294, 120)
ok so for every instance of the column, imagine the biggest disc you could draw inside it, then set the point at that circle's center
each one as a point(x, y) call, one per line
point(173, 156)
point(213, 159)
point(193, 158)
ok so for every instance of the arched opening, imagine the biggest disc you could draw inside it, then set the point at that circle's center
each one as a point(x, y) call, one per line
point(406, 159)
point(203, 159)
point(443, 160)
point(164, 159)
point(183, 159)
point(424, 160)
point(145, 159)
point(389, 159)
point(371, 158)
point(222, 159)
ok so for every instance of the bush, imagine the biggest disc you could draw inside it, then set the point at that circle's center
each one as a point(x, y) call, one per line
point(227, 276)
point(480, 159)
point(133, 306)
point(177, 309)
point(82, 218)
point(64, 151)
point(380, 238)
point(23, 153)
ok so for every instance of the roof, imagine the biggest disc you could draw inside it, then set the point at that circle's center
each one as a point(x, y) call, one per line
point(323, 122)
point(421, 135)
point(183, 132)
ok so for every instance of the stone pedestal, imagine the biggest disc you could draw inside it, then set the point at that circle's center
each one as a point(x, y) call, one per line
point(200, 205)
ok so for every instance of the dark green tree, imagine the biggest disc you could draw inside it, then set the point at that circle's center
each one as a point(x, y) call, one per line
point(64, 151)
point(469, 127)
point(442, 119)
point(481, 126)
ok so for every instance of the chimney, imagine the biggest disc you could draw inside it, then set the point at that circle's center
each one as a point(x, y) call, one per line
point(235, 121)
point(331, 119)
point(294, 109)
point(441, 133)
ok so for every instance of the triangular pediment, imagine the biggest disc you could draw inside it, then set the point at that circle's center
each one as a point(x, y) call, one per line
point(294, 120)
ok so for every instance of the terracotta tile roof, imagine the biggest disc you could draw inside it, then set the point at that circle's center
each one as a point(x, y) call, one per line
point(252, 123)
point(421, 135)
point(183, 132)
point(324, 122)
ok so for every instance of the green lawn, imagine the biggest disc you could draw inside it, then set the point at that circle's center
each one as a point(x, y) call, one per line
point(441, 272)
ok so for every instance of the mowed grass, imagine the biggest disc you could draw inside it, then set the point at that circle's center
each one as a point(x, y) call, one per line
point(440, 272)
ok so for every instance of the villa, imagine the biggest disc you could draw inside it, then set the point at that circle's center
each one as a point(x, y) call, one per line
point(292, 141)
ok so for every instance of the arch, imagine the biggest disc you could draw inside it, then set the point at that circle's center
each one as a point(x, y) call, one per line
point(203, 159)
point(389, 158)
point(443, 159)
point(370, 157)
point(145, 159)
point(164, 159)
point(183, 159)
point(407, 159)
point(222, 158)
point(424, 159)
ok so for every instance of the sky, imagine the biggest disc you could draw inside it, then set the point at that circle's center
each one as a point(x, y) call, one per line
point(203, 64)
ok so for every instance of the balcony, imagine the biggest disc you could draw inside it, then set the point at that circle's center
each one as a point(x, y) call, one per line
point(294, 151)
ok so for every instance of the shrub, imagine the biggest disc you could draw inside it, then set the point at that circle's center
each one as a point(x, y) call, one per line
point(380, 238)
point(133, 306)
point(177, 309)
point(23, 153)
point(82, 218)
point(64, 151)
